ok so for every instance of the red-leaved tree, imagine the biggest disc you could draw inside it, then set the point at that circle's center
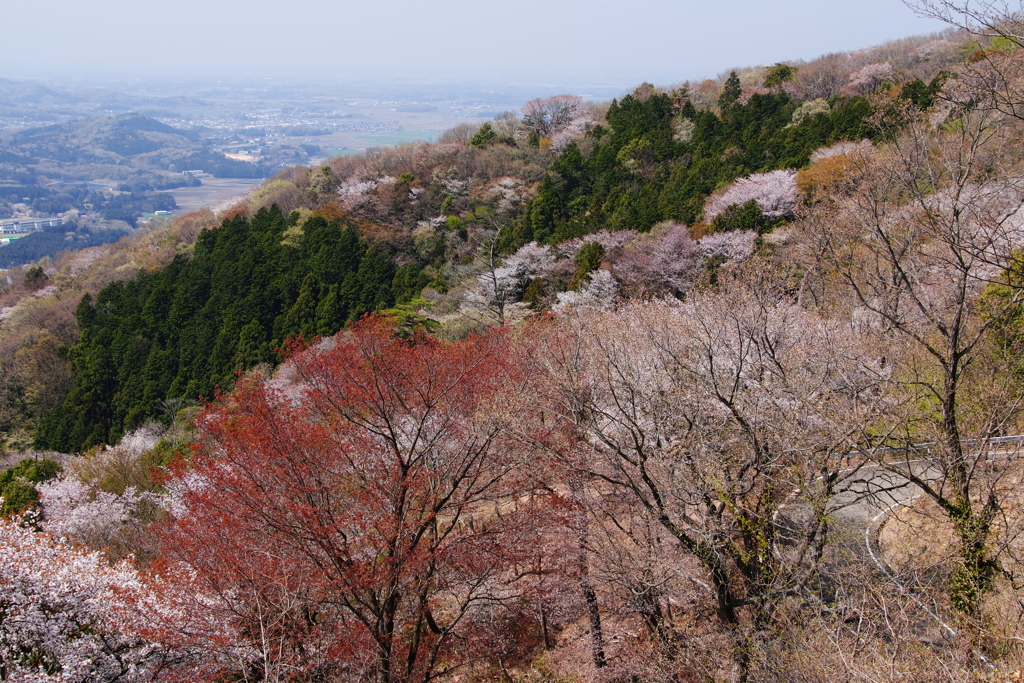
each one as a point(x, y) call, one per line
point(366, 516)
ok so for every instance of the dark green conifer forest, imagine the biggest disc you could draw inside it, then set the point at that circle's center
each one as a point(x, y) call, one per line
point(640, 172)
point(187, 329)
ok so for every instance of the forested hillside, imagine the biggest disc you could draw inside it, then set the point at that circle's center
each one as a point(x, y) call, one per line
point(657, 158)
point(184, 330)
point(137, 152)
point(720, 381)
point(101, 175)
point(56, 239)
point(653, 158)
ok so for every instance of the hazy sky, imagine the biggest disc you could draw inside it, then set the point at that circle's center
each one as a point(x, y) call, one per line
point(625, 41)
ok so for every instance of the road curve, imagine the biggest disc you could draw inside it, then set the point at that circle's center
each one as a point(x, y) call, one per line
point(869, 495)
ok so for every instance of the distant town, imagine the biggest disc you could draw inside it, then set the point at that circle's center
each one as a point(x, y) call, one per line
point(106, 159)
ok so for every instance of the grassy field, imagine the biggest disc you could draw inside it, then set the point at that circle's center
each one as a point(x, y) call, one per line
point(212, 193)
point(399, 137)
point(349, 143)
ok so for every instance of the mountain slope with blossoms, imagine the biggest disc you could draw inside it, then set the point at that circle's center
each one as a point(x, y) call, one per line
point(439, 220)
point(604, 189)
point(582, 438)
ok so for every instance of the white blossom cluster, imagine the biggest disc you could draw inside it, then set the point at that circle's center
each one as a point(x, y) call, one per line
point(775, 192)
point(510, 193)
point(76, 512)
point(66, 614)
point(561, 138)
point(841, 148)
point(864, 80)
point(530, 259)
point(81, 513)
point(499, 287)
point(353, 192)
point(735, 246)
point(599, 294)
point(667, 261)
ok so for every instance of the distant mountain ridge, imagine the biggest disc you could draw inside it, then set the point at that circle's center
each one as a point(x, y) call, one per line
point(116, 149)
point(21, 93)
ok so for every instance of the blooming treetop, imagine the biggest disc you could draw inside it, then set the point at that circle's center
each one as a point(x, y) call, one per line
point(66, 614)
point(774, 192)
point(599, 294)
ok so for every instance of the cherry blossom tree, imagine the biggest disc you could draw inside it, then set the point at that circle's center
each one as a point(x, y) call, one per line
point(925, 228)
point(865, 80)
point(501, 284)
point(106, 499)
point(663, 262)
point(494, 300)
point(68, 616)
point(531, 260)
point(510, 193)
point(775, 193)
point(354, 192)
point(705, 415)
point(993, 77)
point(734, 246)
point(85, 515)
point(599, 293)
point(547, 115)
point(823, 77)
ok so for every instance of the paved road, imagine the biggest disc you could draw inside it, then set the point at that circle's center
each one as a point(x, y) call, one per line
point(870, 492)
point(868, 495)
point(865, 495)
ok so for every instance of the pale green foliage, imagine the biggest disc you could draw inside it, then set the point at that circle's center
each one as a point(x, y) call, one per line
point(683, 129)
point(808, 110)
point(636, 154)
point(323, 183)
point(425, 240)
point(284, 193)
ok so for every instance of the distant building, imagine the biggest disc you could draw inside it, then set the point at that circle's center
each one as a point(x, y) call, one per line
point(198, 173)
point(15, 226)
